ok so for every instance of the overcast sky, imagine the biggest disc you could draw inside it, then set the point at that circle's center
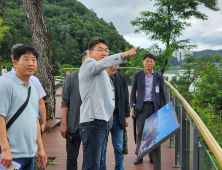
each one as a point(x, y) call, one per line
point(206, 34)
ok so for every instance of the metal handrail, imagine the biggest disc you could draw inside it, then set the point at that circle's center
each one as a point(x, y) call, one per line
point(118, 68)
point(211, 142)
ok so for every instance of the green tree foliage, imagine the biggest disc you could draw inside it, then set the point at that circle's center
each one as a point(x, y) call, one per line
point(3, 29)
point(168, 21)
point(72, 25)
point(209, 83)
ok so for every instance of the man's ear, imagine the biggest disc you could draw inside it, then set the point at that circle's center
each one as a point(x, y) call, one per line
point(15, 62)
point(90, 53)
point(12, 58)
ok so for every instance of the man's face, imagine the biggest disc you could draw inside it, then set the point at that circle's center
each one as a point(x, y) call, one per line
point(27, 65)
point(112, 70)
point(148, 63)
point(99, 52)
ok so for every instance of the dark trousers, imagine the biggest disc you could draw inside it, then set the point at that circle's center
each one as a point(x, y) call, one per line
point(26, 163)
point(93, 135)
point(72, 149)
point(147, 111)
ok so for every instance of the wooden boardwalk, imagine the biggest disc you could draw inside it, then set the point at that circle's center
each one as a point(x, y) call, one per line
point(55, 147)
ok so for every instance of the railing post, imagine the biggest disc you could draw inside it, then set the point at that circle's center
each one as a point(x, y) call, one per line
point(157, 158)
point(183, 138)
point(170, 139)
point(61, 77)
point(165, 86)
point(195, 148)
point(176, 165)
point(187, 142)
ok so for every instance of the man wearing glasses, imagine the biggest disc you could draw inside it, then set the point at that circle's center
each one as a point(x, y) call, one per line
point(148, 94)
point(98, 100)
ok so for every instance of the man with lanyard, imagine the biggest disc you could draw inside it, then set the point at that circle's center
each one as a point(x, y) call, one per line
point(148, 94)
point(36, 83)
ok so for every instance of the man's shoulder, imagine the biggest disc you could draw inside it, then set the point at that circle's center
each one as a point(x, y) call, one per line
point(87, 61)
point(74, 73)
point(34, 78)
point(139, 72)
point(9, 84)
point(9, 81)
point(85, 64)
point(6, 76)
point(120, 75)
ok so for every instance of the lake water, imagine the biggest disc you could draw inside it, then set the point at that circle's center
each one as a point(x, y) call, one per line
point(172, 73)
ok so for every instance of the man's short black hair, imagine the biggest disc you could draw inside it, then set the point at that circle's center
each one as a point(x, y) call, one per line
point(24, 49)
point(4, 67)
point(95, 41)
point(150, 56)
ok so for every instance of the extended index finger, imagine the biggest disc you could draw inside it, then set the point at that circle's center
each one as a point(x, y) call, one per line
point(136, 48)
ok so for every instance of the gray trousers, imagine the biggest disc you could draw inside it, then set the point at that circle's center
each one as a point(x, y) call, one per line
point(147, 111)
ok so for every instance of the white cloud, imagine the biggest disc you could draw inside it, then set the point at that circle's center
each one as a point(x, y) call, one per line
point(207, 34)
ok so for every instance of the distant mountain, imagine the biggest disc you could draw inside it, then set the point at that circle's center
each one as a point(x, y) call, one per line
point(207, 52)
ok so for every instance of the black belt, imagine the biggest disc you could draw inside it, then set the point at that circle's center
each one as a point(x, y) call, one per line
point(148, 102)
point(100, 120)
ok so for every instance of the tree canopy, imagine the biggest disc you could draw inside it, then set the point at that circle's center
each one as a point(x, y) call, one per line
point(167, 23)
point(72, 26)
point(3, 29)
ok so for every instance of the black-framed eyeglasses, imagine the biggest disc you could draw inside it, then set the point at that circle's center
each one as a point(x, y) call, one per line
point(101, 51)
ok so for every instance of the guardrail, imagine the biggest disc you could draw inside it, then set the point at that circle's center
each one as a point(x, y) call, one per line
point(190, 152)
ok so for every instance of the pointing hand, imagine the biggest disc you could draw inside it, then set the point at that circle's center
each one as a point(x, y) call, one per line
point(130, 53)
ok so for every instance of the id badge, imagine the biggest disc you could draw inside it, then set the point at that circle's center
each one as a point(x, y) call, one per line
point(157, 89)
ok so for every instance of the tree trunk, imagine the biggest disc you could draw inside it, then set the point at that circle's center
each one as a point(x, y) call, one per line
point(41, 40)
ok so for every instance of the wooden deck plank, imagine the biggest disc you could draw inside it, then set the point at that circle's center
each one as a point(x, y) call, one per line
point(55, 147)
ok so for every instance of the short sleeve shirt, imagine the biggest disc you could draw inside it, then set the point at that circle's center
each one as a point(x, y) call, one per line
point(23, 132)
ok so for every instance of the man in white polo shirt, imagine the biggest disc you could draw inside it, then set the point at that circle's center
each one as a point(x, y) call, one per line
point(23, 138)
point(34, 82)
